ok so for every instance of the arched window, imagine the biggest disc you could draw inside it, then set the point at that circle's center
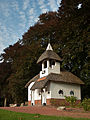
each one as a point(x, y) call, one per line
point(71, 92)
point(60, 92)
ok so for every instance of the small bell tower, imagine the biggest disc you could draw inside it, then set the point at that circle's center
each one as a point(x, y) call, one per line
point(50, 62)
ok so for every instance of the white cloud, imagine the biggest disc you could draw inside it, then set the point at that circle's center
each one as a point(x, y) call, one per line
point(58, 3)
point(36, 19)
point(41, 2)
point(7, 37)
point(3, 37)
point(1, 45)
point(32, 14)
point(3, 32)
point(4, 8)
point(52, 4)
point(22, 15)
point(31, 17)
point(23, 19)
point(42, 5)
point(25, 4)
point(31, 11)
point(44, 10)
point(10, 33)
point(15, 5)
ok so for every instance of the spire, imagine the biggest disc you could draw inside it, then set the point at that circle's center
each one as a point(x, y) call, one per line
point(49, 47)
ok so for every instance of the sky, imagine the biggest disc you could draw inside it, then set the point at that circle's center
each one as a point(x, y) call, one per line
point(16, 17)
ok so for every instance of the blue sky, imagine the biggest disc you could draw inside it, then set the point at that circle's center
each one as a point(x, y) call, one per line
point(16, 16)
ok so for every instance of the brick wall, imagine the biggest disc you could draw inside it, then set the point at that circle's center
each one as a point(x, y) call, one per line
point(55, 102)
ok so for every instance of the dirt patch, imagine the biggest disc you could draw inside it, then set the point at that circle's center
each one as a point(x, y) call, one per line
point(44, 110)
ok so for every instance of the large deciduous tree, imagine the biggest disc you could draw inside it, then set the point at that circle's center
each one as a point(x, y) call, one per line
point(76, 35)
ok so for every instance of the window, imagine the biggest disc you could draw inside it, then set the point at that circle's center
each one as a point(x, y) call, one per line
point(48, 92)
point(52, 62)
point(71, 92)
point(60, 92)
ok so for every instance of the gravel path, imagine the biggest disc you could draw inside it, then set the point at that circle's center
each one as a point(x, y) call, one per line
point(44, 110)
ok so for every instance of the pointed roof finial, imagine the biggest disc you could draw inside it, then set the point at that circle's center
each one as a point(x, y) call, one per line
point(49, 47)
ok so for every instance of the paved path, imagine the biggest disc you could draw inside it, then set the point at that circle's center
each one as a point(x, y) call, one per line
point(43, 110)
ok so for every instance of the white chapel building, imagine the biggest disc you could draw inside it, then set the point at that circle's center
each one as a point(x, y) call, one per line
point(52, 83)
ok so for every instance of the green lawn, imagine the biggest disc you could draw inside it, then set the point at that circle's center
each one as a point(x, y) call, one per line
point(9, 115)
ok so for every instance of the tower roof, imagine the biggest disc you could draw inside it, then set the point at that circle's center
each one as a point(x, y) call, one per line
point(49, 54)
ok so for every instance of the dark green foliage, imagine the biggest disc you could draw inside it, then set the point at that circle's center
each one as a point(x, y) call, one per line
point(5, 71)
point(71, 100)
point(75, 34)
point(86, 104)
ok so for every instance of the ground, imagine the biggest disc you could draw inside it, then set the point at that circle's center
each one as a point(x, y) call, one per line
point(44, 110)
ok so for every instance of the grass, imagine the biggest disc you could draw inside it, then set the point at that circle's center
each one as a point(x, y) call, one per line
point(10, 115)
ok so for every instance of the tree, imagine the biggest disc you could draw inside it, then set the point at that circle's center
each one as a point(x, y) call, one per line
point(5, 71)
point(75, 35)
point(22, 59)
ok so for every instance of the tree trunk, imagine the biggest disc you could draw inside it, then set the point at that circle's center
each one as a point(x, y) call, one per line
point(5, 102)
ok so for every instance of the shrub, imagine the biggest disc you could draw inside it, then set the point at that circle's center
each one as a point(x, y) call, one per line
point(79, 105)
point(71, 100)
point(86, 104)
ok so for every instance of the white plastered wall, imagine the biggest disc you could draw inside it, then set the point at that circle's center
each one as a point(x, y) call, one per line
point(54, 69)
point(37, 96)
point(56, 86)
point(29, 91)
